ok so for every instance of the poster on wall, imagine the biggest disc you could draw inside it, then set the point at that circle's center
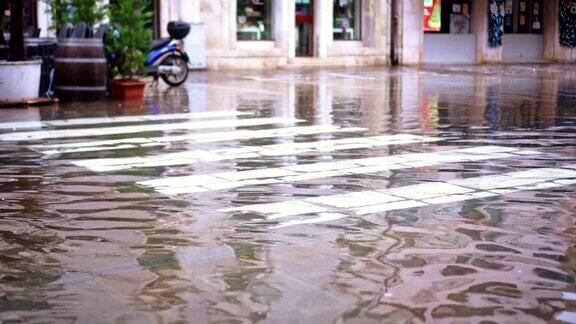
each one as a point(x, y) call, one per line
point(459, 24)
point(432, 15)
point(509, 16)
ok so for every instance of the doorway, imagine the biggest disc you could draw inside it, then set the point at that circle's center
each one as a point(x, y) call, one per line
point(523, 41)
point(304, 27)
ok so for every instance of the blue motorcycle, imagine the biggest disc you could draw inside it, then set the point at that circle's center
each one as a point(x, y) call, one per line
point(167, 59)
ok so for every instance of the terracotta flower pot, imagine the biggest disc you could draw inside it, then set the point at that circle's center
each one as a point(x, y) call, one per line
point(127, 89)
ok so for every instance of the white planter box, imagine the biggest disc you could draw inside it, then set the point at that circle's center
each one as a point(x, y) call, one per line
point(19, 80)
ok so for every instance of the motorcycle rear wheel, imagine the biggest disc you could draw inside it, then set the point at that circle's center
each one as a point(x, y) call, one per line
point(175, 80)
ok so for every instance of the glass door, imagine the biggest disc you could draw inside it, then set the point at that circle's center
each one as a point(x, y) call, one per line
point(304, 27)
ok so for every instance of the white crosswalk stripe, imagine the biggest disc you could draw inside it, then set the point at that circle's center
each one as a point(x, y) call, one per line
point(127, 143)
point(121, 119)
point(194, 125)
point(420, 195)
point(191, 157)
point(304, 172)
point(69, 137)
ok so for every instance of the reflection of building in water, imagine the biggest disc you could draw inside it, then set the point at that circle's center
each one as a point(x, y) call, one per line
point(520, 115)
point(567, 99)
point(527, 103)
point(473, 257)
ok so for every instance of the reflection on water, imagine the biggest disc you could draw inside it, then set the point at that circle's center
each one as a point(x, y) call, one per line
point(82, 246)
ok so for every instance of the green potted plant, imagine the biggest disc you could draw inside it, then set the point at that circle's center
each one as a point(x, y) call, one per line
point(19, 77)
point(128, 42)
point(59, 12)
point(90, 12)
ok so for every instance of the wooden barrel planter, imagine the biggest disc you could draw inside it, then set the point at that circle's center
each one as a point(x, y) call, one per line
point(80, 70)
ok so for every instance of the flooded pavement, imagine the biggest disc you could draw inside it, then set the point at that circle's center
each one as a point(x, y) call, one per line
point(445, 194)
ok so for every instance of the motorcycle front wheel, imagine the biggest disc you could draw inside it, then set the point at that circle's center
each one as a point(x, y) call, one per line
point(175, 79)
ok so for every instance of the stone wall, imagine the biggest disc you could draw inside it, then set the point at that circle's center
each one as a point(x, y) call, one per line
point(225, 52)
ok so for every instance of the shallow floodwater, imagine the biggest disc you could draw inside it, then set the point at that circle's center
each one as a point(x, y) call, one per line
point(229, 216)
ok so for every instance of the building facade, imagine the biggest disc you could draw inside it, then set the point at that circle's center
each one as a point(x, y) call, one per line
point(295, 33)
point(268, 34)
point(461, 31)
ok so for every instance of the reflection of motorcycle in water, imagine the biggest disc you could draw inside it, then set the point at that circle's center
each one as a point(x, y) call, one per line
point(167, 59)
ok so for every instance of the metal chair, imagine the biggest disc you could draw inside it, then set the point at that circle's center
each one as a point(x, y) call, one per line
point(101, 31)
point(80, 30)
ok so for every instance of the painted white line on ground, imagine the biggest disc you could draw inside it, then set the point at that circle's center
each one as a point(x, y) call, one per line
point(121, 119)
point(322, 218)
point(196, 125)
point(118, 144)
point(566, 317)
point(304, 172)
point(571, 296)
point(420, 195)
point(191, 157)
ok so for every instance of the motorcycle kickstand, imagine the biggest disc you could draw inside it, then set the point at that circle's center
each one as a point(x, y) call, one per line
point(155, 81)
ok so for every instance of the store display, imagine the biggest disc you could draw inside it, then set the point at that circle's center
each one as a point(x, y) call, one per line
point(459, 24)
point(496, 23)
point(447, 16)
point(432, 15)
point(567, 23)
point(347, 19)
point(254, 20)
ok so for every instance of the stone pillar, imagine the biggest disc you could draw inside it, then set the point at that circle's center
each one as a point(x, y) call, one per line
point(283, 24)
point(44, 19)
point(381, 20)
point(484, 53)
point(164, 17)
point(291, 27)
point(190, 11)
point(411, 31)
point(322, 26)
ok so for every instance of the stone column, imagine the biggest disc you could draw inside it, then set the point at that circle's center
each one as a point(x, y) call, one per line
point(283, 24)
point(484, 53)
point(164, 17)
point(381, 20)
point(322, 26)
point(44, 19)
point(411, 31)
point(291, 28)
point(190, 11)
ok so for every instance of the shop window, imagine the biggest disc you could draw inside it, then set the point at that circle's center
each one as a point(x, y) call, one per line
point(523, 16)
point(447, 16)
point(254, 20)
point(347, 20)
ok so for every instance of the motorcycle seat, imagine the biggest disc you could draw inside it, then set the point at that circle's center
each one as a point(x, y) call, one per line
point(159, 43)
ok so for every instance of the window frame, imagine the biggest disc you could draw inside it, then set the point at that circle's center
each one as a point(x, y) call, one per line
point(361, 23)
point(272, 24)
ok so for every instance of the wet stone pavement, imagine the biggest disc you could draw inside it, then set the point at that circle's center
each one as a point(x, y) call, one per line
point(369, 195)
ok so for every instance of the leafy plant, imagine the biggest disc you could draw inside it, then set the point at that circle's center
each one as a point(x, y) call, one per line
point(90, 12)
point(130, 38)
point(59, 11)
